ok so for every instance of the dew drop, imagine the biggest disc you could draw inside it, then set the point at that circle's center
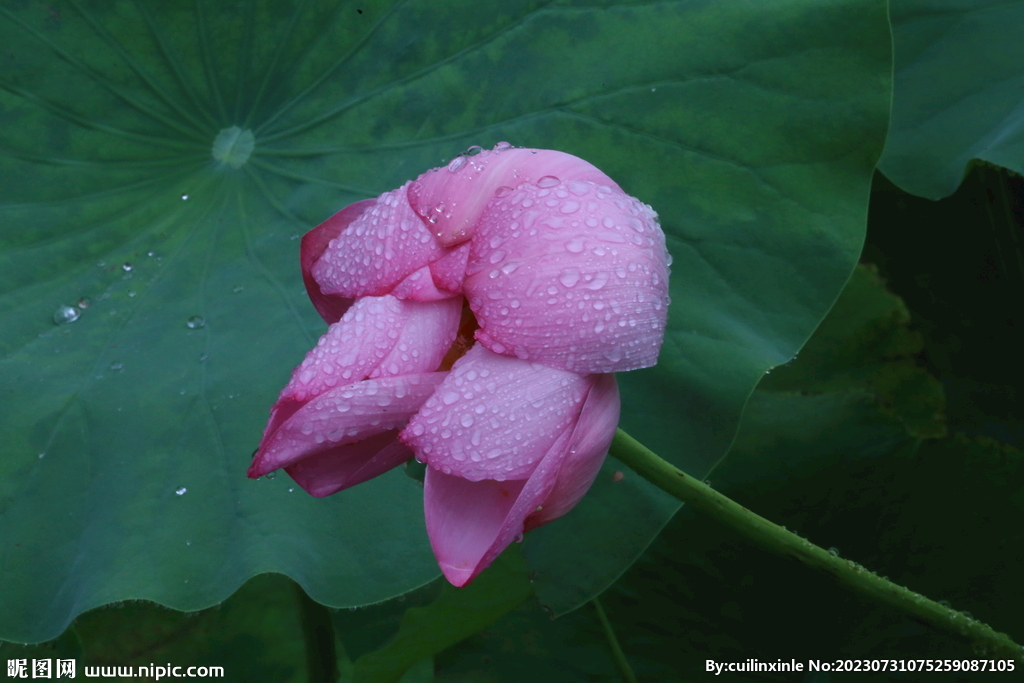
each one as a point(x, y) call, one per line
point(66, 314)
point(578, 187)
point(474, 150)
point(456, 164)
point(195, 322)
point(126, 267)
point(502, 146)
point(548, 181)
point(574, 246)
point(84, 302)
point(181, 491)
point(599, 281)
point(503, 191)
point(272, 475)
point(569, 277)
point(116, 366)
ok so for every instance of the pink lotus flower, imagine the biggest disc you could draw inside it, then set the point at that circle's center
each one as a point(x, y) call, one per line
point(566, 280)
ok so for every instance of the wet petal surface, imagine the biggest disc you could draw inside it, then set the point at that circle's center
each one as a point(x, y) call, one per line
point(585, 452)
point(342, 416)
point(451, 199)
point(495, 417)
point(345, 466)
point(314, 244)
point(379, 249)
point(570, 274)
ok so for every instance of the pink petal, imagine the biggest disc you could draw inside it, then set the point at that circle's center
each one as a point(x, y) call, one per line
point(450, 270)
point(345, 466)
point(470, 523)
point(377, 337)
point(342, 416)
point(587, 448)
point(495, 417)
point(314, 243)
point(451, 201)
point(351, 348)
point(424, 337)
point(574, 275)
point(420, 286)
point(378, 250)
point(464, 519)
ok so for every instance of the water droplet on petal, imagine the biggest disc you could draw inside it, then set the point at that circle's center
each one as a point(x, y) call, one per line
point(548, 181)
point(456, 164)
point(574, 246)
point(599, 281)
point(474, 150)
point(502, 146)
point(569, 277)
point(66, 314)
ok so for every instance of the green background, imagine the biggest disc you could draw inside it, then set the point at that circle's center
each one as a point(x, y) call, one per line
point(752, 128)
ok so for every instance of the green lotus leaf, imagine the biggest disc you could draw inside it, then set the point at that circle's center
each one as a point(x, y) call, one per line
point(159, 160)
point(957, 94)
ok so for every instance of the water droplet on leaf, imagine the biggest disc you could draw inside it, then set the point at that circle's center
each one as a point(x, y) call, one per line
point(66, 314)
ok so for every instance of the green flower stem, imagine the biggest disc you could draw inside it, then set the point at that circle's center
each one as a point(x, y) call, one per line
point(987, 642)
point(617, 654)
